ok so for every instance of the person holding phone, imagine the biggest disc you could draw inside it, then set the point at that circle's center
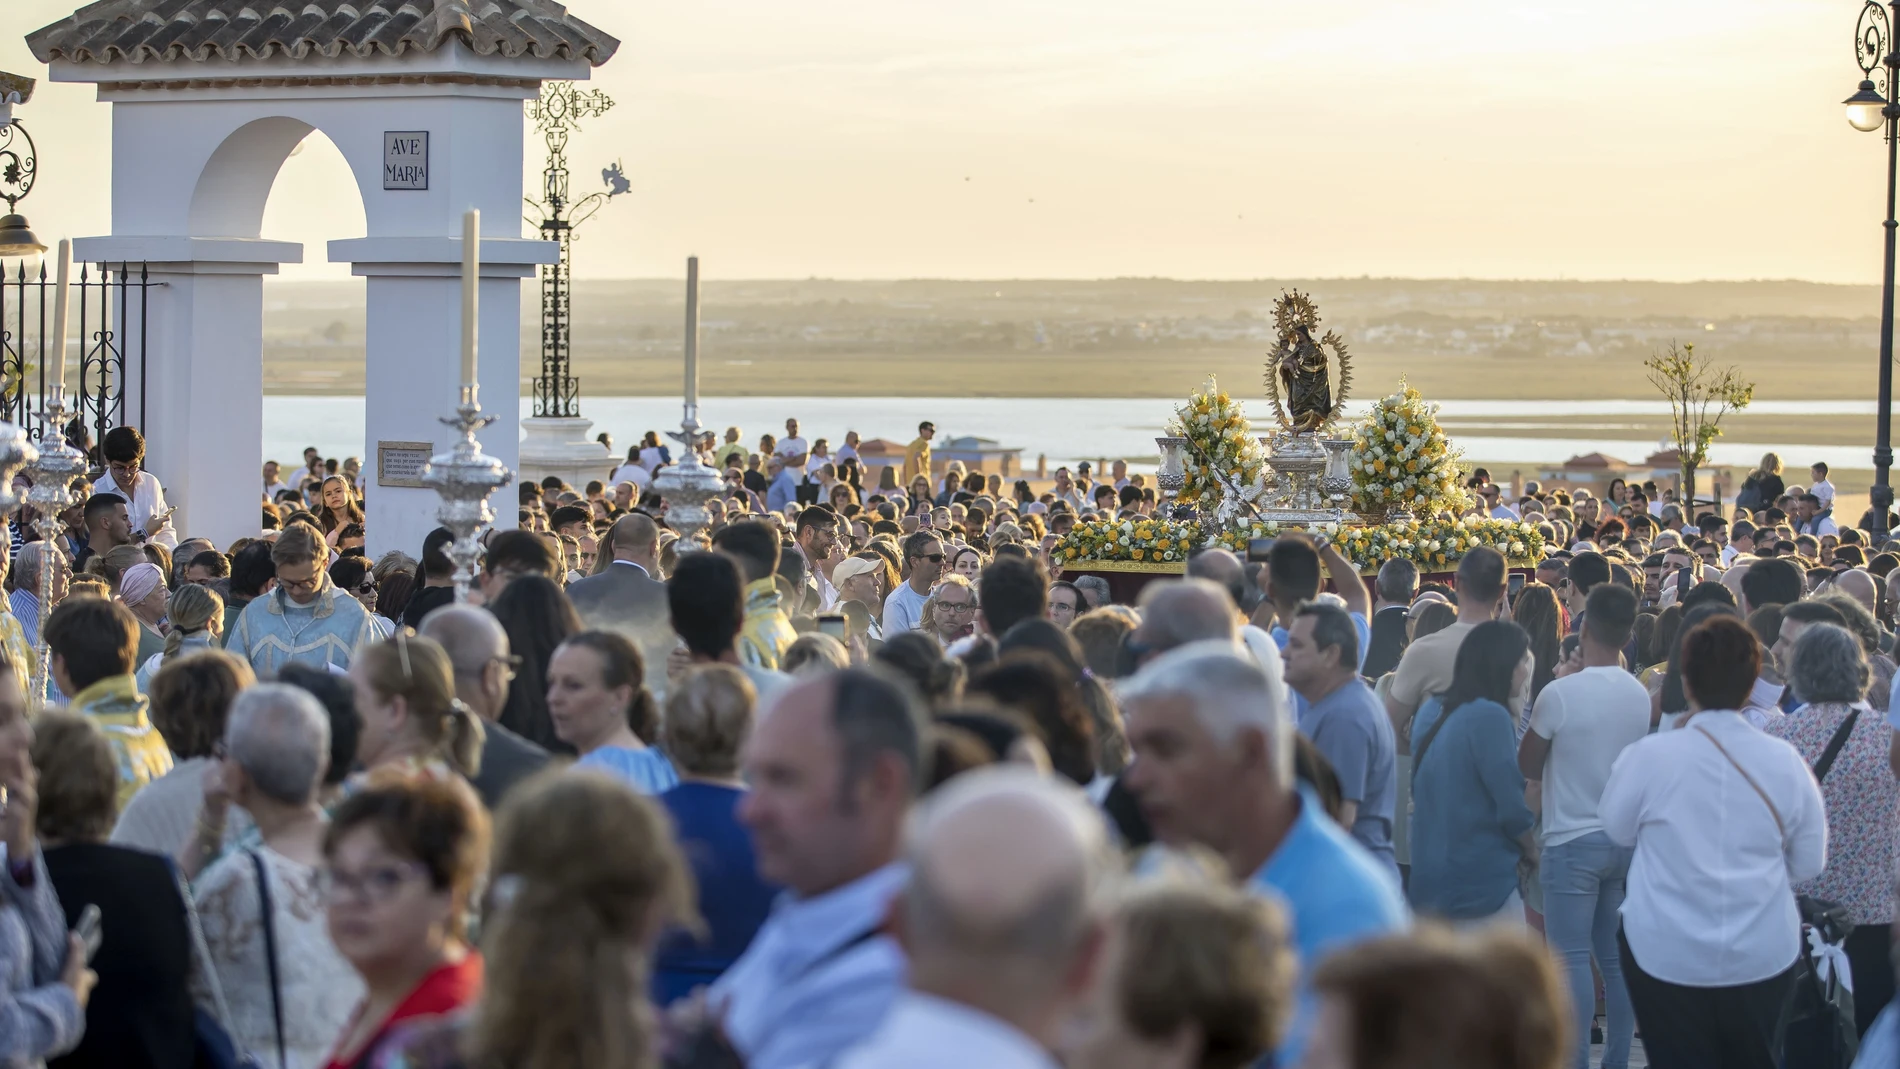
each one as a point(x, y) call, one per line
point(126, 477)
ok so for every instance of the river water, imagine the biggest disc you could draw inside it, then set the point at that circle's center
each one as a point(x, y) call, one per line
point(1064, 429)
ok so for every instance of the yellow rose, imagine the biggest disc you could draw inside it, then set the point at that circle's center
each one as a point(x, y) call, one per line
point(1185, 544)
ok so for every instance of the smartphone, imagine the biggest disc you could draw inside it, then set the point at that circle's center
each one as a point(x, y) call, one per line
point(90, 931)
point(1515, 584)
point(1259, 549)
point(832, 623)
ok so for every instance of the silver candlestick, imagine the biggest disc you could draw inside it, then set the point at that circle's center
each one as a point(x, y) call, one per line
point(16, 452)
point(52, 472)
point(687, 486)
point(464, 477)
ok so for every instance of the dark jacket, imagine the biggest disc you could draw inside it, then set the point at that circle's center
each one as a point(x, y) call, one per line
point(425, 600)
point(140, 1014)
point(507, 759)
point(1388, 642)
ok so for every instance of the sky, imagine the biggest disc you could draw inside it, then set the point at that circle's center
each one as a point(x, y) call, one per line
point(1221, 139)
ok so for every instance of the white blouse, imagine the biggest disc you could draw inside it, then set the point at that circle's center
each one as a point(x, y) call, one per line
point(1710, 899)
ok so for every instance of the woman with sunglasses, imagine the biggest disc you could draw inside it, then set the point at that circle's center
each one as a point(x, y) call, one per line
point(352, 576)
point(400, 863)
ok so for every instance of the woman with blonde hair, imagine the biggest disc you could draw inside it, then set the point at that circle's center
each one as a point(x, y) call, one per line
point(709, 716)
point(411, 719)
point(337, 507)
point(585, 878)
point(196, 614)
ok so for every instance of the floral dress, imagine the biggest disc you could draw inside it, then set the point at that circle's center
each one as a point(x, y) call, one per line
point(1863, 807)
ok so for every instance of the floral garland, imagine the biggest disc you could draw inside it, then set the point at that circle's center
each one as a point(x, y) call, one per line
point(1401, 458)
point(1154, 541)
point(1223, 455)
point(1435, 545)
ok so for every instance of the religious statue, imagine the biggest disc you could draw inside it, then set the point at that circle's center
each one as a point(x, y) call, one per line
point(1299, 381)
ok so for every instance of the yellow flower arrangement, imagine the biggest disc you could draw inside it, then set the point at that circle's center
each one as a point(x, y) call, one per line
point(1222, 451)
point(1149, 540)
point(1401, 458)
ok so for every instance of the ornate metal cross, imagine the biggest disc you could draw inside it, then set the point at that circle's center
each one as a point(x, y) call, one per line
point(556, 114)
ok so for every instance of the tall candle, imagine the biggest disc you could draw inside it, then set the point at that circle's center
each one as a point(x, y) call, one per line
point(692, 331)
point(57, 351)
point(471, 277)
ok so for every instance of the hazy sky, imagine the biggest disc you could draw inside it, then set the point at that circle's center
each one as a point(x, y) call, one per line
point(1663, 139)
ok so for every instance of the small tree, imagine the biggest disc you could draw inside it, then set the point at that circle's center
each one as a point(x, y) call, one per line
point(1699, 395)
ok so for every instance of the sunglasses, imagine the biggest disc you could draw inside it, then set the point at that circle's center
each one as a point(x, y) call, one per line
point(934, 558)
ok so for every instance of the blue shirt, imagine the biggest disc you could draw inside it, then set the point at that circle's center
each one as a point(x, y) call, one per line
point(1337, 895)
point(782, 492)
point(645, 770)
point(1360, 624)
point(817, 979)
point(733, 900)
point(1467, 810)
point(1350, 727)
point(1880, 1046)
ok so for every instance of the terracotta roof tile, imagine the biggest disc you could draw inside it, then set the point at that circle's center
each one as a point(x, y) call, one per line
point(170, 31)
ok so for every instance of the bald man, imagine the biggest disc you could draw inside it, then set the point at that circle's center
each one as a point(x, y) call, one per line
point(1001, 930)
point(478, 651)
point(1856, 583)
point(627, 596)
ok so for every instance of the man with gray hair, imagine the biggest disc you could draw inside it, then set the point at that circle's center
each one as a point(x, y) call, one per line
point(997, 928)
point(484, 670)
point(1176, 612)
point(1213, 766)
point(1094, 590)
point(277, 747)
point(24, 602)
point(1392, 594)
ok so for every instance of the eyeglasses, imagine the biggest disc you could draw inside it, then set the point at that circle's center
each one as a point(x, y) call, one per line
point(956, 608)
point(301, 585)
point(934, 558)
point(372, 886)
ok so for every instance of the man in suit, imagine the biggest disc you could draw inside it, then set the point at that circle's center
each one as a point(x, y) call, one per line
point(626, 597)
point(478, 651)
point(1393, 592)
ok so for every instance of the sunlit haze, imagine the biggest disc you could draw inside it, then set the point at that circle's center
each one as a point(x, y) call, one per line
point(1214, 139)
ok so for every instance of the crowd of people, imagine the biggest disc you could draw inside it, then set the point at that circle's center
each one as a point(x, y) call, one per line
point(857, 777)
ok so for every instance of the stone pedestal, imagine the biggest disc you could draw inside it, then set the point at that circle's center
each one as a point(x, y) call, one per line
point(561, 445)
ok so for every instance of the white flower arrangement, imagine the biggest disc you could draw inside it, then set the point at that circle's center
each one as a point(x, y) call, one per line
point(1402, 458)
point(1224, 465)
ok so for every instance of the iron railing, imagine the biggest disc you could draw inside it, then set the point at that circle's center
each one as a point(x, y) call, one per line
point(109, 308)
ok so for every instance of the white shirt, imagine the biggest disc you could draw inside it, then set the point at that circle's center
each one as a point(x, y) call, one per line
point(142, 505)
point(271, 491)
point(1589, 718)
point(789, 448)
point(1710, 899)
point(1504, 512)
point(926, 1032)
point(903, 609)
point(632, 473)
point(844, 453)
point(1825, 491)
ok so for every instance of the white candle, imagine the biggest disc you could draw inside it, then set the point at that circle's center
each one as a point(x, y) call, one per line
point(692, 331)
point(56, 353)
point(471, 277)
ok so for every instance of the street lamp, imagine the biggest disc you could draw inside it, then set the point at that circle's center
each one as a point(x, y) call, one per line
point(1870, 109)
point(19, 166)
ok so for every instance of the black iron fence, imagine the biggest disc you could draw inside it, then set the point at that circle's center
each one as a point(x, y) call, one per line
point(108, 312)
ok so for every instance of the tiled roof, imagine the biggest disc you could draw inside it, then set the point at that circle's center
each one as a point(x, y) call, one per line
point(171, 31)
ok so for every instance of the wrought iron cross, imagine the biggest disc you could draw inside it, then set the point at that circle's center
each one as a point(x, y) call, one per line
point(556, 114)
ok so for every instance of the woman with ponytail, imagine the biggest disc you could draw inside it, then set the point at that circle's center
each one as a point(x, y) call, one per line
point(196, 614)
point(411, 719)
point(600, 705)
point(585, 877)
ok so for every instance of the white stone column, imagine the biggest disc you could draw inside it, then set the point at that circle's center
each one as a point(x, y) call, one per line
point(201, 373)
point(413, 364)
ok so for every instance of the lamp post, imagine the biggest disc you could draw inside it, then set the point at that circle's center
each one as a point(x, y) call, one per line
point(1870, 109)
point(19, 166)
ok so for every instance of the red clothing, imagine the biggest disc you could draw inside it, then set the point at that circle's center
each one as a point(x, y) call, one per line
point(448, 989)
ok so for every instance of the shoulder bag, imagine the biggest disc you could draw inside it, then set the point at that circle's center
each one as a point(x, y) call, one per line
point(1816, 1029)
point(270, 952)
point(212, 1045)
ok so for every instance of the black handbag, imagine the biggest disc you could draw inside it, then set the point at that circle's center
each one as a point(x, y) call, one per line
point(1817, 1027)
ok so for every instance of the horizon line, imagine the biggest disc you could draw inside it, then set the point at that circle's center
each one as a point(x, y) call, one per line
point(1263, 280)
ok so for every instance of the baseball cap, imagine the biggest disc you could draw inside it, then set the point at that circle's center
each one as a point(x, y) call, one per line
point(851, 568)
point(1427, 598)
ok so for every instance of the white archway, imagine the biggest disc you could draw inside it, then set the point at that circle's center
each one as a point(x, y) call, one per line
point(200, 130)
